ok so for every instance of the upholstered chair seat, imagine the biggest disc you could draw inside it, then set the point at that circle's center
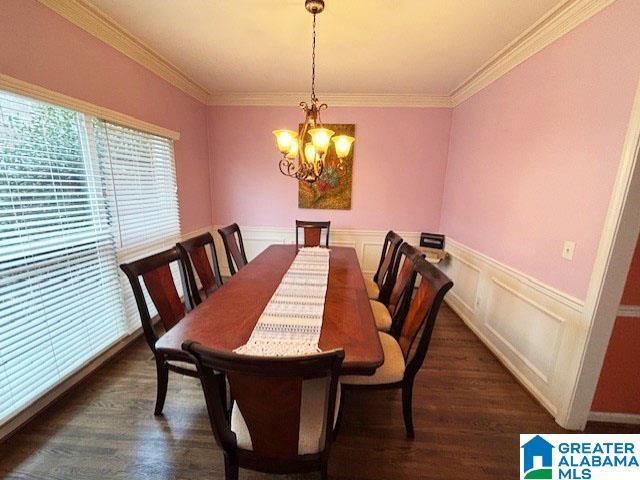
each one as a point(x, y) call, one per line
point(381, 315)
point(391, 371)
point(312, 414)
point(373, 290)
point(405, 349)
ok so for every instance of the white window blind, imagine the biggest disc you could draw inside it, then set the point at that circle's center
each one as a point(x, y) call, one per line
point(140, 187)
point(77, 197)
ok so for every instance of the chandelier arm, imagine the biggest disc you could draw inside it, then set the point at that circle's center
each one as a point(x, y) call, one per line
point(287, 167)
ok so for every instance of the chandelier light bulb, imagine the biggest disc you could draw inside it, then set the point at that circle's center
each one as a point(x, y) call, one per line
point(321, 138)
point(284, 139)
point(310, 152)
point(343, 145)
point(293, 149)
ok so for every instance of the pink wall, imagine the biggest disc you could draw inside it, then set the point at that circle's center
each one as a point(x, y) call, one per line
point(533, 156)
point(618, 387)
point(40, 47)
point(399, 166)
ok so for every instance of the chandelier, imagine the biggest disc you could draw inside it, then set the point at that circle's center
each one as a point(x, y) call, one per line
point(304, 152)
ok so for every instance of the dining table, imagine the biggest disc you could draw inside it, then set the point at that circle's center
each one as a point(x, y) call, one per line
point(225, 319)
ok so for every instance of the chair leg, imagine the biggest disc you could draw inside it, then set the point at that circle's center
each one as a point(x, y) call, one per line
point(163, 379)
point(336, 427)
point(407, 413)
point(324, 468)
point(231, 468)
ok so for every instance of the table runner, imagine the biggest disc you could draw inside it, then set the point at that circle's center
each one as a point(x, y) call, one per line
point(292, 320)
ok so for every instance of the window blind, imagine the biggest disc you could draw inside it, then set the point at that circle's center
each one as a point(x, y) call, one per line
point(140, 188)
point(78, 196)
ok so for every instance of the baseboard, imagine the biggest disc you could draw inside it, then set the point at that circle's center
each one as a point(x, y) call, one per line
point(613, 417)
point(529, 326)
point(519, 376)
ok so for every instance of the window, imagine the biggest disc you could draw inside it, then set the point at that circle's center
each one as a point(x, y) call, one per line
point(77, 197)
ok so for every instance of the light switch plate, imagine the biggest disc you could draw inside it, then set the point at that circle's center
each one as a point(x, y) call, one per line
point(568, 249)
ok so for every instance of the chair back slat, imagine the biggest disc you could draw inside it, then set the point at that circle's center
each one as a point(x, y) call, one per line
point(157, 277)
point(202, 266)
point(417, 328)
point(234, 247)
point(164, 295)
point(312, 236)
point(383, 276)
point(405, 275)
point(194, 256)
point(312, 233)
point(270, 407)
point(268, 392)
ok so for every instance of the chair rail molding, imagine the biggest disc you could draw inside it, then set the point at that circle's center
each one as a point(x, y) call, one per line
point(367, 243)
point(615, 417)
point(527, 324)
point(629, 311)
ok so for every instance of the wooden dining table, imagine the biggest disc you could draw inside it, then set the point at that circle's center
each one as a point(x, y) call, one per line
point(226, 319)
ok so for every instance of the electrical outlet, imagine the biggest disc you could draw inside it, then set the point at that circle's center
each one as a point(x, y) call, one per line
point(568, 249)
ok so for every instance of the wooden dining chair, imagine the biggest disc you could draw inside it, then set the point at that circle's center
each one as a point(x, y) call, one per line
point(312, 233)
point(390, 314)
point(284, 410)
point(194, 256)
point(380, 286)
point(234, 247)
point(156, 274)
point(403, 357)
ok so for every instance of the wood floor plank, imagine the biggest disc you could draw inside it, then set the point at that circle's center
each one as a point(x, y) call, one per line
point(468, 414)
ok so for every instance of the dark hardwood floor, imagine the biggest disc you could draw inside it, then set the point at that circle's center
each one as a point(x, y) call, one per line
point(468, 414)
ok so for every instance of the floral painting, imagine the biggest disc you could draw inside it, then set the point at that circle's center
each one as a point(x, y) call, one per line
point(332, 191)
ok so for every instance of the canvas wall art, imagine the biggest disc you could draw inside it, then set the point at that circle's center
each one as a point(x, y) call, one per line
point(332, 191)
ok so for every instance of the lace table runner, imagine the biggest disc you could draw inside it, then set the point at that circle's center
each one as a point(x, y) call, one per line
point(291, 322)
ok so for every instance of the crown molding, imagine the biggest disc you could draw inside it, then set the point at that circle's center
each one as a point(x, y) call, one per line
point(98, 24)
point(553, 25)
point(333, 99)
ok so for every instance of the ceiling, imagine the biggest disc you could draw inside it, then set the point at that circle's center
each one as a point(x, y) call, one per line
point(423, 47)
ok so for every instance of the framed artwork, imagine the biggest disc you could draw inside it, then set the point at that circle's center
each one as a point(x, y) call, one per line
point(332, 191)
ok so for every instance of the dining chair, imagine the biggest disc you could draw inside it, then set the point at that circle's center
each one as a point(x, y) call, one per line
point(312, 233)
point(234, 247)
point(194, 256)
point(388, 316)
point(156, 274)
point(284, 411)
point(380, 286)
point(404, 356)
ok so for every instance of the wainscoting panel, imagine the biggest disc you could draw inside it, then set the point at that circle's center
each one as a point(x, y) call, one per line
point(528, 325)
point(367, 243)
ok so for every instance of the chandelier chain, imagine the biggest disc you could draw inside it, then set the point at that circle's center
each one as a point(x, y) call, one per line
point(313, 63)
